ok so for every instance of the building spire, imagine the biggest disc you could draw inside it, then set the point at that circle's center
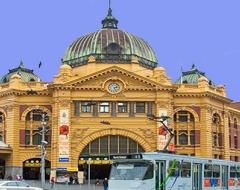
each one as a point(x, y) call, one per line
point(109, 4)
point(109, 21)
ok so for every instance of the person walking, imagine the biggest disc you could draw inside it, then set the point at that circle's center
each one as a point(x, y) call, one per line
point(52, 181)
point(105, 184)
point(10, 177)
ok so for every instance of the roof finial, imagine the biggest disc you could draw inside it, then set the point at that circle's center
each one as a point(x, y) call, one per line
point(21, 64)
point(109, 21)
point(193, 65)
point(109, 4)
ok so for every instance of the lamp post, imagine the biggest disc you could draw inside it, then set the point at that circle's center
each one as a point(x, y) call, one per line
point(89, 170)
point(43, 130)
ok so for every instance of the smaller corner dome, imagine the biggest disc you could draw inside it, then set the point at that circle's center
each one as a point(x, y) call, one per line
point(192, 77)
point(27, 75)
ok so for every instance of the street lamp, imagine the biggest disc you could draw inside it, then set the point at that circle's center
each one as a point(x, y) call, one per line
point(43, 129)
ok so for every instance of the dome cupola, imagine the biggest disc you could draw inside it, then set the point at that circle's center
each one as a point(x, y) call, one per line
point(110, 45)
point(192, 76)
point(27, 75)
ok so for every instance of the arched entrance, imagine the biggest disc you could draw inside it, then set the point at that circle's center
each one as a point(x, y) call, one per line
point(32, 169)
point(2, 169)
point(96, 153)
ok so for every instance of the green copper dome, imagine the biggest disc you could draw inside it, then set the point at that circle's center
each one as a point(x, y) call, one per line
point(192, 76)
point(110, 45)
point(27, 75)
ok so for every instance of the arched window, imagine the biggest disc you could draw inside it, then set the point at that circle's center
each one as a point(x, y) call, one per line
point(113, 144)
point(35, 115)
point(33, 121)
point(183, 116)
point(1, 117)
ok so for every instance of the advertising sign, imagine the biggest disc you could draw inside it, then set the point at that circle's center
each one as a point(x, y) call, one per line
point(64, 135)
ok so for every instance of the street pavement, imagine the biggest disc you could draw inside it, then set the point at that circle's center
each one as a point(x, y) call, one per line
point(61, 186)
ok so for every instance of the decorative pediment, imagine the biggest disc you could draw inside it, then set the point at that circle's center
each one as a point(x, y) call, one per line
point(129, 80)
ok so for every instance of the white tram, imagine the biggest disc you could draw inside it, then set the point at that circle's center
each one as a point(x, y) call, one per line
point(165, 171)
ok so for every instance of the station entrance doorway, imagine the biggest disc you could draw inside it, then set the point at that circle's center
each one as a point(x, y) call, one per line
point(32, 169)
point(96, 154)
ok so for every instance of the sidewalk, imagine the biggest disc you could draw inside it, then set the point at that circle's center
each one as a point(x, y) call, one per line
point(60, 186)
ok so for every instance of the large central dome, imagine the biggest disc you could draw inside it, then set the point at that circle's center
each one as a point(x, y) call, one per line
point(110, 45)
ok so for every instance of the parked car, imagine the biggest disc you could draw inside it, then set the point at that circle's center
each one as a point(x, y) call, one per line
point(11, 185)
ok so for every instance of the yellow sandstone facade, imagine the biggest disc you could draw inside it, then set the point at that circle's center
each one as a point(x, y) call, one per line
point(101, 106)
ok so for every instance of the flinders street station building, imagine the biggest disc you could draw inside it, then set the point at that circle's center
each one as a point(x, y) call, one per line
point(110, 96)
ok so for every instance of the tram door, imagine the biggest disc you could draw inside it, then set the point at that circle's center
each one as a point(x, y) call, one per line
point(224, 179)
point(160, 175)
point(197, 176)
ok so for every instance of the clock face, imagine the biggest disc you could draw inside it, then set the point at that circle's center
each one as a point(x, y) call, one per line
point(113, 87)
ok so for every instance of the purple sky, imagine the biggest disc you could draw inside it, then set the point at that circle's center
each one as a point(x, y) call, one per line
point(180, 32)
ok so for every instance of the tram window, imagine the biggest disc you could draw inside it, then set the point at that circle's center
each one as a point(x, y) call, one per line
point(186, 169)
point(238, 171)
point(207, 170)
point(173, 168)
point(216, 170)
point(232, 171)
point(149, 172)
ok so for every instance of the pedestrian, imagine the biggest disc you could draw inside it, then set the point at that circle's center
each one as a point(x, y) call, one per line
point(10, 177)
point(105, 184)
point(97, 182)
point(52, 181)
point(17, 177)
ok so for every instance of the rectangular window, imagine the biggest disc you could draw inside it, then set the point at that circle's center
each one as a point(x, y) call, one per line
point(216, 170)
point(104, 144)
point(132, 146)
point(86, 107)
point(235, 141)
point(174, 165)
point(122, 107)
point(123, 144)
point(27, 137)
point(104, 107)
point(94, 146)
point(113, 144)
point(140, 107)
point(186, 169)
point(233, 172)
point(192, 137)
point(207, 170)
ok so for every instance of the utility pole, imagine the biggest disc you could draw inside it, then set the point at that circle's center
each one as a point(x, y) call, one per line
point(89, 171)
point(43, 130)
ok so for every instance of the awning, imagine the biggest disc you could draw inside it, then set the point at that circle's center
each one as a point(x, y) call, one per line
point(4, 148)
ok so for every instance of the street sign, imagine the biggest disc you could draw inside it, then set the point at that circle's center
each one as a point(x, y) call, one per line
point(61, 169)
point(63, 159)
